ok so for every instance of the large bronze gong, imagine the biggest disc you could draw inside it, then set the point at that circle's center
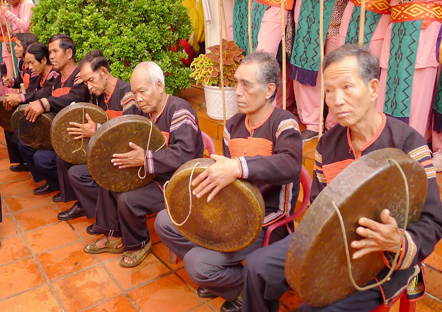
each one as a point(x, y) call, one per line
point(5, 116)
point(316, 265)
point(231, 221)
point(68, 149)
point(35, 134)
point(113, 137)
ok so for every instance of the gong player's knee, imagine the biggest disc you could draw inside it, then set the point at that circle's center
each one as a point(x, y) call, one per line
point(162, 224)
point(73, 175)
point(255, 264)
point(198, 270)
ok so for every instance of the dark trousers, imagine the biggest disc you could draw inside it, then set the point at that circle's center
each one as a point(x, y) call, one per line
point(265, 283)
point(66, 189)
point(42, 164)
point(12, 145)
point(124, 214)
point(84, 187)
point(219, 272)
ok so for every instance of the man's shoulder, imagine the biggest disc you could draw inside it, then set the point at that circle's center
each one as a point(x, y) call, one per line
point(334, 134)
point(282, 113)
point(176, 103)
point(123, 85)
point(236, 119)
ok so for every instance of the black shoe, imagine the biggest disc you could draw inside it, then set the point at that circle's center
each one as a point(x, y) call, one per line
point(308, 135)
point(74, 212)
point(42, 190)
point(204, 293)
point(56, 198)
point(90, 230)
point(231, 306)
point(19, 168)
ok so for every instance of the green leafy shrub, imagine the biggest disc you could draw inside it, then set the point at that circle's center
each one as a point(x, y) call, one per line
point(127, 31)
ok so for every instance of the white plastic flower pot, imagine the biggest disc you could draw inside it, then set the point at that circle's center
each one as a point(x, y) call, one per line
point(214, 102)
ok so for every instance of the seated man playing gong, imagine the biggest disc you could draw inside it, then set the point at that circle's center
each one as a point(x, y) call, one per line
point(121, 216)
point(351, 80)
point(112, 95)
point(68, 88)
point(261, 144)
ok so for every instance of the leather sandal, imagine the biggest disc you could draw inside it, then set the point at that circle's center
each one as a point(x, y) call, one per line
point(136, 256)
point(111, 247)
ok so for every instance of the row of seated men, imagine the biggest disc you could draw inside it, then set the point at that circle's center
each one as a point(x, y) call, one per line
point(261, 143)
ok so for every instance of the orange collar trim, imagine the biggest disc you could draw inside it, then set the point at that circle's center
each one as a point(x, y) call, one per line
point(107, 99)
point(252, 129)
point(372, 140)
point(63, 81)
point(162, 110)
point(42, 82)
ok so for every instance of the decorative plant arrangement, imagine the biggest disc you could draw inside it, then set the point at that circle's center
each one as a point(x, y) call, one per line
point(206, 70)
point(127, 31)
point(206, 67)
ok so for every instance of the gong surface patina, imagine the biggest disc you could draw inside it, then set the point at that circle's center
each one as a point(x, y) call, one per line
point(68, 149)
point(5, 116)
point(113, 138)
point(35, 134)
point(231, 221)
point(316, 264)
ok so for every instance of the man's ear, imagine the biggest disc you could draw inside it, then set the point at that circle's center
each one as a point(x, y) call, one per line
point(373, 86)
point(69, 53)
point(104, 72)
point(271, 88)
point(160, 87)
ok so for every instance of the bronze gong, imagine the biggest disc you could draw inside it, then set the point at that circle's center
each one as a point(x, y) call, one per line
point(316, 263)
point(35, 134)
point(113, 137)
point(68, 149)
point(5, 116)
point(231, 221)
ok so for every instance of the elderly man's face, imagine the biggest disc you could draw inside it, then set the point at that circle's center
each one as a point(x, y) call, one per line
point(95, 81)
point(346, 94)
point(251, 97)
point(147, 97)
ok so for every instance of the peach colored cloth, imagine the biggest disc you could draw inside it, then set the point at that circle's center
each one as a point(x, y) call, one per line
point(424, 79)
point(269, 38)
point(378, 36)
point(270, 33)
point(20, 18)
point(308, 98)
point(421, 98)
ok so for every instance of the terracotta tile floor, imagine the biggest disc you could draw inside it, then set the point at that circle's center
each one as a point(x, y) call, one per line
point(43, 266)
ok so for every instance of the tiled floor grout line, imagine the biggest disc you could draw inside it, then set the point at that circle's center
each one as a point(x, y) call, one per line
point(102, 264)
point(175, 271)
point(40, 267)
point(12, 181)
point(431, 297)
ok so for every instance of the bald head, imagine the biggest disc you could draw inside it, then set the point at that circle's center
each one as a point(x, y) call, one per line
point(147, 84)
point(151, 71)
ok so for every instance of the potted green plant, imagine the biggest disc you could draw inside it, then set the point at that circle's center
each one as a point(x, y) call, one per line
point(207, 70)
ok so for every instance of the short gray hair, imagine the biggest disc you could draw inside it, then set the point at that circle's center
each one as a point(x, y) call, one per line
point(368, 64)
point(155, 73)
point(268, 69)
